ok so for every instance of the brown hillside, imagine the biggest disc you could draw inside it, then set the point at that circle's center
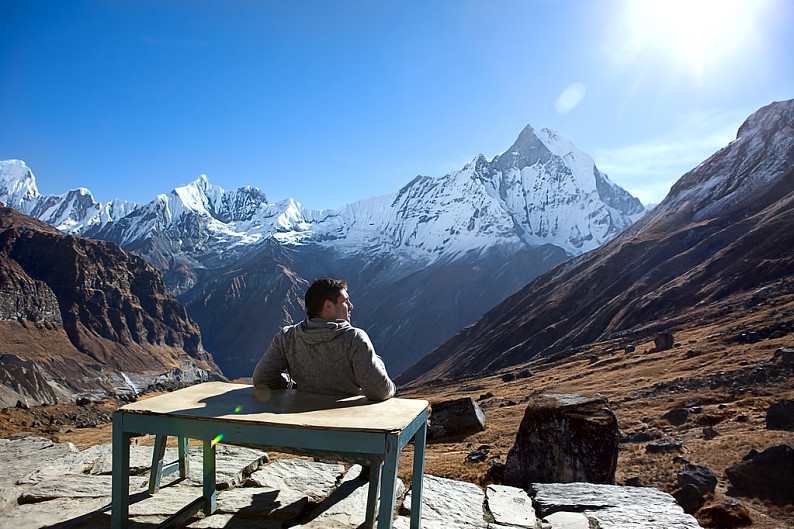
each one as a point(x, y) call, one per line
point(77, 308)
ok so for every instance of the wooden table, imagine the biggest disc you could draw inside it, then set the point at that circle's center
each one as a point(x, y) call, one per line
point(351, 428)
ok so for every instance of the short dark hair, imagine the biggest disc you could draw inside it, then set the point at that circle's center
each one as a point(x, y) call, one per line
point(320, 291)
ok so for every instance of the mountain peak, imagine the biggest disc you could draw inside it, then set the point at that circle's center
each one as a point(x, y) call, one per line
point(17, 183)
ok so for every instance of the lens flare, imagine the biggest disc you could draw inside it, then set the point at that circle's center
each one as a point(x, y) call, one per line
point(238, 409)
point(217, 439)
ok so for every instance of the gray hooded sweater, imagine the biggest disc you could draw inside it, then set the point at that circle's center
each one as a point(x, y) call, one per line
point(325, 356)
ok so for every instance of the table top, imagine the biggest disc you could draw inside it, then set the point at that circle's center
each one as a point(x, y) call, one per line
point(242, 403)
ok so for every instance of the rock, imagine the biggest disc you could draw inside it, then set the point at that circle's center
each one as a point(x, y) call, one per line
point(485, 396)
point(664, 341)
point(8, 496)
point(62, 512)
point(702, 477)
point(257, 504)
point(23, 456)
point(496, 471)
point(508, 377)
point(524, 373)
point(232, 465)
point(455, 417)
point(726, 514)
point(564, 438)
point(448, 503)
point(481, 454)
point(709, 433)
point(676, 416)
point(784, 355)
point(315, 480)
point(780, 415)
point(664, 445)
point(629, 349)
point(567, 520)
point(510, 506)
point(613, 507)
point(641, 437)
point(77, 487)
point(634, 482)
point(689, 498)
point(346, 506)
point(766, 475)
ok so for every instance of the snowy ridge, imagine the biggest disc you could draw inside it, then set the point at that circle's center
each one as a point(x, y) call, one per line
point(543, 190)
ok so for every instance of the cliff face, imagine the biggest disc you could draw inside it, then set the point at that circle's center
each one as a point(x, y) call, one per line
point(85, 313)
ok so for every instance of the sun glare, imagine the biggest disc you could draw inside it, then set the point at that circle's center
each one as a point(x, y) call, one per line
point(694, 34)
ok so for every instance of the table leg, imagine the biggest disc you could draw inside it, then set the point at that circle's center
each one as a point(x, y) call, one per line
point(156, 471)
point(208, 480)
point(420, 441)
point(120, 488)
point(184, 458)
point(388, 489)
point(372, 494)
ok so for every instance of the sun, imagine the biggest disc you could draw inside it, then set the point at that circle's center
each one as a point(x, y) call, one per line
point(696, 35)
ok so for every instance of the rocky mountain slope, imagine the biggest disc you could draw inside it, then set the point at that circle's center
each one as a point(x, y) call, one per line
point(81, 317)
point(724, 228)
point(422, 262)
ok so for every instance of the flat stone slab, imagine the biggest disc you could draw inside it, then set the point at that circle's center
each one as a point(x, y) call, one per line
point(510, 506)
point(567, 520)
point(77, 487)
point(64, 512)
point(23, 456)
point(232, 465)
point(231, 521)
point(316, 480)
point(260, 503)
point(614, 507)
point(346, 506)
point(450, 502)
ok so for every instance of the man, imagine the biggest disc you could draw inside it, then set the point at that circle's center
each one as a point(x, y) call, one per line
point(324, 353)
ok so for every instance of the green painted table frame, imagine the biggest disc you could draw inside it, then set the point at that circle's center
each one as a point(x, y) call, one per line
point(379, 449)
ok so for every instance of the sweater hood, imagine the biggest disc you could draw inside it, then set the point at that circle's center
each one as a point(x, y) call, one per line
point(318, 330)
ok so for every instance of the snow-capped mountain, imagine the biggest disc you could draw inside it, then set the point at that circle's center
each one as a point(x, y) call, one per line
point(719, 244)
point(500, 222)
point(73, 212)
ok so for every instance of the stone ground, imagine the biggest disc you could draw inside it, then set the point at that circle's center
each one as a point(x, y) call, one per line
point(55, 485)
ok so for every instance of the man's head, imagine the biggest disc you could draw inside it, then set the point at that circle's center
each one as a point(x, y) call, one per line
point(327, 298)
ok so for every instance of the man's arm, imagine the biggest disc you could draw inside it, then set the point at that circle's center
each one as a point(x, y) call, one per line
point(370, 372)
point(271, 365)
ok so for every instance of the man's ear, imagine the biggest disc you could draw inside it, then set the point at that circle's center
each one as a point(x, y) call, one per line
point(327, 305)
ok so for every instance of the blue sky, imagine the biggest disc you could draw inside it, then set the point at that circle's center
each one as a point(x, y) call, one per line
point(328, 102)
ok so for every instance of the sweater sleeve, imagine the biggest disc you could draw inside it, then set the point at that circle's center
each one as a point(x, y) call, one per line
point(370, 371)
point(271, 365)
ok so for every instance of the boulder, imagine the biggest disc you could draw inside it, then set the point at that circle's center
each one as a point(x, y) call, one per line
point(767, 475)
point(726, 514)
point(455, 417)
point(780, 415)
point(564, 438)
point(702, 477)
point(664, 341)
point(689, 498)
point(666, 444)
point(784, 355)
point(676, 416)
